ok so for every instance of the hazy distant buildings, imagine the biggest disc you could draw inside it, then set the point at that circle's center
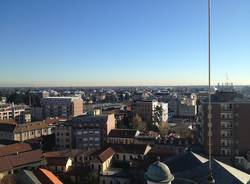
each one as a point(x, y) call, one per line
point(187, 111)
point(230, 123)
point(62, 107)
point(184, 106)
point(45, 94)
point(3, 100)
point(146, 108)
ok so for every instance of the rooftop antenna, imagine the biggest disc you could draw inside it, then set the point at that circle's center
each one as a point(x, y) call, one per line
point(210, 175)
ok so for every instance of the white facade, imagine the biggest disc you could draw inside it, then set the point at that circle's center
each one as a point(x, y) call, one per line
point(17, 112)
point(146, 108)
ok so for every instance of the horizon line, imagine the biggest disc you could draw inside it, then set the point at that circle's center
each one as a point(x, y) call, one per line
point(109, 86)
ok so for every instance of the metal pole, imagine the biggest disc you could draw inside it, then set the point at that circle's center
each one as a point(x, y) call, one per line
point(210, 178)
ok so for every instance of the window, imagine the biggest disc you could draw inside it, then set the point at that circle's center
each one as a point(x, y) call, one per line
point(97, 139)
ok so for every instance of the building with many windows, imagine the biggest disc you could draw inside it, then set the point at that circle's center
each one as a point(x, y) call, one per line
point(20, 113)
point(23, 132)
point(85, 132)
point(230, 123)
point(62, 107)
point(146, 108)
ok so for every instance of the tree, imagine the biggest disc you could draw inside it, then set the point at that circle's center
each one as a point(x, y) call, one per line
point(8, 179)
point(138, 124)
point(157, 115)
point(163, 129)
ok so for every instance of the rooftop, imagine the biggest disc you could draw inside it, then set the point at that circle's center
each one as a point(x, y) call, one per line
point(46, 177)
point(130, 148)
point(106, 154)
point(14, 149)
point(194, 167)
point(66, 153)
point(88, 120)
point(20, 159)
point(122, 133)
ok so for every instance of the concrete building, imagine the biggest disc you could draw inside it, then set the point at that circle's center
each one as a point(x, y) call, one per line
point(64, 136)
point(188, 111)
point(36, 114)
point(122, 136)
point(23, 132)
point(230, 124)
point(3, 100)
point(243, 162)
point(107, 162)
point(146, 108)
point(131, 136)
point(20, 113)
point(63, 107)
point(85, 132)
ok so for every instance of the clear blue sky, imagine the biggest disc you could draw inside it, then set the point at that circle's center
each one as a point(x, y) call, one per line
point(122, 42)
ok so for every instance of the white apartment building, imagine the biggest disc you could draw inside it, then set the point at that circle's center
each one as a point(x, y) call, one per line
point(146, 108)
point(21, 113)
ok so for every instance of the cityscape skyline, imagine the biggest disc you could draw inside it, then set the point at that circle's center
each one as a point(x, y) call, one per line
point(132, 43)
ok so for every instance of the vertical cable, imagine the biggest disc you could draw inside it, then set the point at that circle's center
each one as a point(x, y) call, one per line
point(210, 179)
point(209, 85)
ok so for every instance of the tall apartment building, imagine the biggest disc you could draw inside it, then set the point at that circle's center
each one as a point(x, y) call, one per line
point(84, 132)
point(145, 109)
point(230, 124)
point(64, 136)
point(20, 113)
point(63, 107)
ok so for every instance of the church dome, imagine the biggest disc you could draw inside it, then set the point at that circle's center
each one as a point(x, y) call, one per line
point(159, 172)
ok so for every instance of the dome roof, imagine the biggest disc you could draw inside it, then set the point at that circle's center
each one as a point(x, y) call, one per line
point(159, 172)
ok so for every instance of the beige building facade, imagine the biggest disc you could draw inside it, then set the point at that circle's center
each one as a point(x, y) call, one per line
point(62, 107)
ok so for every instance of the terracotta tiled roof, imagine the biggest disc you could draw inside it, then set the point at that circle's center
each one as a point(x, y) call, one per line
point(66, 153)
point(31, 126)
point(57, 161)
point(46, 177)
point(106, 154)
point(25, 158)
point(5, 164)
point(122, 133)
point(20, 159)
point(14, 148)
